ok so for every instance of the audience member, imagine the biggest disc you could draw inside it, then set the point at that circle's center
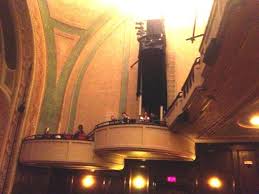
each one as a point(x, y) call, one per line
point(146, 117)
point(113, 118)
point(46, 133)
point(125, 118)
point(80, 134)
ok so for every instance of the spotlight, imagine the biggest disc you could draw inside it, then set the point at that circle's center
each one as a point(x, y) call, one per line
point(88, 181)
point(139, 182)
point(214, 182)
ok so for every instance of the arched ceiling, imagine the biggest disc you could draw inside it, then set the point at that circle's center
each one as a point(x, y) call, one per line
point(90, 46)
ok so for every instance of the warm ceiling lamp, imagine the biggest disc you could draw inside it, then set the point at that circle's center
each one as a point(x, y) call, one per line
point(139, 182)
point(88, 181)
point(254, 120)
point(214, 182)
point(177, 12)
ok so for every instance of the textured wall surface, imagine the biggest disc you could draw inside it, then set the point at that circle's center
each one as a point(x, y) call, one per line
point(89, 51)
point(15, 82)
point(90, 48)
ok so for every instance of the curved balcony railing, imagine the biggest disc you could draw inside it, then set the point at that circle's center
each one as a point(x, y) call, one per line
point(57, 136)
point(90, 135)
point(65, 153)
point(111, 143)
point(132, 121)
point(141, 141)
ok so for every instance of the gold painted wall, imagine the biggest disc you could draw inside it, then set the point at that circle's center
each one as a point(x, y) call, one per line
point(105, 82)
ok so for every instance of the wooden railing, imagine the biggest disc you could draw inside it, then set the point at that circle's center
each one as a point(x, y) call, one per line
point(186, 86)
point(57, 136)
point(179, 95)
point(190, 78)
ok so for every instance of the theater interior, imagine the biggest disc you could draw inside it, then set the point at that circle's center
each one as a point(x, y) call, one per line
point(184, 72)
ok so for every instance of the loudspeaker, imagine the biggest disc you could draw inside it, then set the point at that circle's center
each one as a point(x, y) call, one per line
point(212, 51)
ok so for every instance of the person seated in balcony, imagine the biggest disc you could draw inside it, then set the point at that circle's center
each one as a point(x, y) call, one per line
point(46, 134)
point(113, 120)
point(125, 117)
point(66, 135)
point(145, 117)
point(80, 134)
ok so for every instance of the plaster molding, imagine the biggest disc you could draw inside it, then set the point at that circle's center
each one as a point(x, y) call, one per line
point(13, 138)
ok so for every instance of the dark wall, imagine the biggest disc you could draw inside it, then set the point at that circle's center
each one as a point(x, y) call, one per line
point(36, 180)
point(31, 180)
point(228, 162)
point(8, 34)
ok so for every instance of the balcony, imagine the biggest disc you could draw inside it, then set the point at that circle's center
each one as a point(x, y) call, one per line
point(107, 146)
point(143, 141)
point(65, 153)
point(191, 85)
point(220, 87)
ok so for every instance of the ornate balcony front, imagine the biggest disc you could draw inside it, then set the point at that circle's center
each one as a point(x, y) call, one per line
point(107, 146)
point(143, 141)
point(65, 153)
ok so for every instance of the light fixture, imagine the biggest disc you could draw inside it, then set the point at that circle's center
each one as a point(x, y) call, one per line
point(139, 182)
point(249, 120)
point(88, 181)
point(248, 162)
point(177, 13)
point(254, 120)
point(214, 182)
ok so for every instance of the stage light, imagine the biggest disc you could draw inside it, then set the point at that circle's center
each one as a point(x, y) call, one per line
point(254, 120)
point(139, 182)
point(214, 182)
point(88, 181)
